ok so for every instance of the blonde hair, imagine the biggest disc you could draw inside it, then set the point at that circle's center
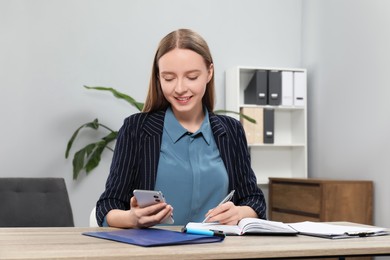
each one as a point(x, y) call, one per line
point(182, 39)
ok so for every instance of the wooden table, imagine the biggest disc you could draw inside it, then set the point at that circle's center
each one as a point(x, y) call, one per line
point(68, 243)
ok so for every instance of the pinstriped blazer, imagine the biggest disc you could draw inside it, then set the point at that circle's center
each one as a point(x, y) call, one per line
point(136, 156)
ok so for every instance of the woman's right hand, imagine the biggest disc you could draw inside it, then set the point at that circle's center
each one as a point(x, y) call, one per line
point(149, 216)
point(138, 217)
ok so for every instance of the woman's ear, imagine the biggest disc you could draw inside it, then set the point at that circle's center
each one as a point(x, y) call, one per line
point(211, 72)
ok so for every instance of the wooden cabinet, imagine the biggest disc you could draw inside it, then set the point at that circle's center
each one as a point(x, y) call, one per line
point(295, 200)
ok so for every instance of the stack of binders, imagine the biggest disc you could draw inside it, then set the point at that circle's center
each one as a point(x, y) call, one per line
point(262, 132)
point(268, 88)
point(253, 131)
point(276, 88)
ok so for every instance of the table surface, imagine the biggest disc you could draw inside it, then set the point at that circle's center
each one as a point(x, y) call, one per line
point(69, 243)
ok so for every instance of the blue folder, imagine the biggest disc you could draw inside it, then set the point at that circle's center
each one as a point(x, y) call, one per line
point(153, 237)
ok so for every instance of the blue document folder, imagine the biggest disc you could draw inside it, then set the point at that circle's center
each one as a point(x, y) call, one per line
point(153, 237)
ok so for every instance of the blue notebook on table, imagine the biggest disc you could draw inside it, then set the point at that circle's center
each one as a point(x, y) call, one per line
point(153, 237)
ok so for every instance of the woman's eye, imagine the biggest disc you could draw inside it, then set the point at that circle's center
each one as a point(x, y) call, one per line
point(168, 79)
point(193, 78)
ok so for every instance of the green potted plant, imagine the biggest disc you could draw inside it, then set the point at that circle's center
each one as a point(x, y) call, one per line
point(88, 158)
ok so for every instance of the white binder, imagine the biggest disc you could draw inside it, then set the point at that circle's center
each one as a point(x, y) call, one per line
point(299, 89)
point(287, 88)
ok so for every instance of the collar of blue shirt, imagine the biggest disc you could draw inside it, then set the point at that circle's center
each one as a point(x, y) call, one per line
point(176, 131)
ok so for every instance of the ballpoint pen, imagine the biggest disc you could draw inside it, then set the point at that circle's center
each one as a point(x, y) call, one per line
point(226, 199)
point(360, 234)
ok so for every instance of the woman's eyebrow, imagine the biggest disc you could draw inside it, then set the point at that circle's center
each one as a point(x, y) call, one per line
point(173, 73)
point(166, 73)
point(193, 71)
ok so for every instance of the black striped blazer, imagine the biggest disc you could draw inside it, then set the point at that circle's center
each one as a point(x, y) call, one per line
point(135, 161)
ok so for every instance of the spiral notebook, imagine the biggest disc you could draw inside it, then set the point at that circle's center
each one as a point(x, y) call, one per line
point(149, 237)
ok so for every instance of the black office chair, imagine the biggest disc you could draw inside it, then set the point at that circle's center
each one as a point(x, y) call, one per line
point(34, 202)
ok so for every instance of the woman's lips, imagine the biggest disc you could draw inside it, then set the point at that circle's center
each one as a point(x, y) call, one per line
point(183, 99)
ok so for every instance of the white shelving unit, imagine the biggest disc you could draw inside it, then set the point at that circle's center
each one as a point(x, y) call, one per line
point(287, 156)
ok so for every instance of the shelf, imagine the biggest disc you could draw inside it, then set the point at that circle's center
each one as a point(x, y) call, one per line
point(288, 108)
point(275, 145)
point(286, 157)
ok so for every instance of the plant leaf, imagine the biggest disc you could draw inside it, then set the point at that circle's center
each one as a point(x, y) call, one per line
point(95, 157)
point(120, 95)
point(78, 159)
point(94, 125)
point(110, 137)
point(250, 119)
point(88, 158)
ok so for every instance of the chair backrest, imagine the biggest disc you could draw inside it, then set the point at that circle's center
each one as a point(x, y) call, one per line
point(92, 218)
point(34, 202)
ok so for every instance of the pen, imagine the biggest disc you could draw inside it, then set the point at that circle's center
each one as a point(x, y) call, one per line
point(360, 234)
point(203, 232)
point(226, 199)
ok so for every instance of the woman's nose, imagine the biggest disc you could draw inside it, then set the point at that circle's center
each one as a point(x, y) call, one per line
point(181, 86)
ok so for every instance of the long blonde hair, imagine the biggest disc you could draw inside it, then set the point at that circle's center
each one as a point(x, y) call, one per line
point(182, 39)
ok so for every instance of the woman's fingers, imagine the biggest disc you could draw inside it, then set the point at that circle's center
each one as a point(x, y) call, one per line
point(151, 215)
point(154, 216)
point(226, 213)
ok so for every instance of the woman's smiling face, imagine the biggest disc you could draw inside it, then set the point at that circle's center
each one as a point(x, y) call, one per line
point(183, 76)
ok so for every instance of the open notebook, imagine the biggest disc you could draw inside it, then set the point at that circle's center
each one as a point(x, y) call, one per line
point(247, 226)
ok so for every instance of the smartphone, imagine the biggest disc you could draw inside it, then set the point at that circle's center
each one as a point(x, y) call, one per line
point(150, 197)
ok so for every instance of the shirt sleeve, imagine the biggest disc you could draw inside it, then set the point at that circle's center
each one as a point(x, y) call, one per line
point(105, 224)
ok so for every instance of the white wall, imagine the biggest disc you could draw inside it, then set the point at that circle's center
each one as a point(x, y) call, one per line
point(49, 49)
point(346, 51)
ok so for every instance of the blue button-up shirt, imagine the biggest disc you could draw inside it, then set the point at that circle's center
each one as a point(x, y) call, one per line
point(191, 173)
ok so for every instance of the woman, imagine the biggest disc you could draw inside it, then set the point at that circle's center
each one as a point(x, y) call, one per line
point(179, 146)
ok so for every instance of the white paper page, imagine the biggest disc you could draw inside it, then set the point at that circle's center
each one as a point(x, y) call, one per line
point(331, 229)
point(265, 224)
